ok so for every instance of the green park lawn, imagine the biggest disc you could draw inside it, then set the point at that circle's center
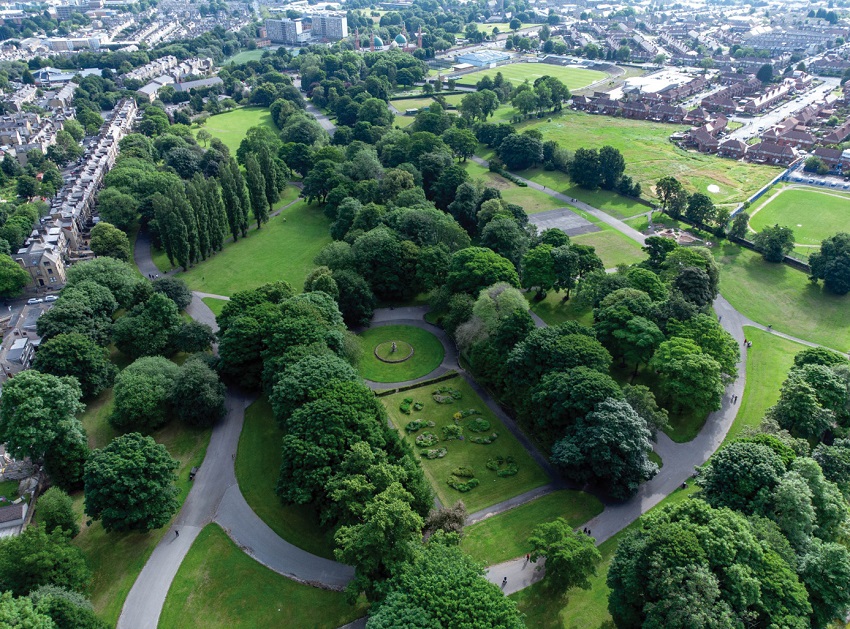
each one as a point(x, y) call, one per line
point(768, 362)
point(650, 155)
point(245, 56)
point(282, 250)
point(554, 310)
point(117, 558)
point(218, 585)
point(257, 467)
point(503, 537)
point(585, 609)
point(612, 203)
point(777, 295)
point(492, 488)
point(287, 197)
point(613, 247)
point(231, 126)
point(411, 103)
point(574, 78)
point(814, 214)
point(216, 305)
point(531, 200)
point(427, 354)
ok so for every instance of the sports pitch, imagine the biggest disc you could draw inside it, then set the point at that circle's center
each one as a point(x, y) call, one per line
point(813, 213)
point(516, 73)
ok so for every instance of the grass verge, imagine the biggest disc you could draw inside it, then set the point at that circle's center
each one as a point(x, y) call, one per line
point(257, 467)
point(503, 537)
point(218, 585)
point(427, 355)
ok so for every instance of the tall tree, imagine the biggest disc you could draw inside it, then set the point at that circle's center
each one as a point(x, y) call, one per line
point(774, 243)
point(832, 264)
point(35, 558)
point(130, 467)
point(37, 411)
point(571, 556)
point(77, 355)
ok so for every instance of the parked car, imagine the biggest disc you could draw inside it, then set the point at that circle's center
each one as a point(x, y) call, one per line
point(34, 300)
point(51, 298)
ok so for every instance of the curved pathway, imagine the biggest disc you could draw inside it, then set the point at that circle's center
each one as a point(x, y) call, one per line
point(215, 495)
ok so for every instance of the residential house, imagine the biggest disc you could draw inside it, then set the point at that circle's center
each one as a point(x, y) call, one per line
point(830, 157)
point(21, 352)
point(735, 149)
point(12, 519)
point(637, 110)
point(704, 141)
point(771, 153)
point(837, 135)
point(664, 112)
point(798, 139)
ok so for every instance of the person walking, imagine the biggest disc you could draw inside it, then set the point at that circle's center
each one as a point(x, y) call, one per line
point(176, 533)
point(504, 581)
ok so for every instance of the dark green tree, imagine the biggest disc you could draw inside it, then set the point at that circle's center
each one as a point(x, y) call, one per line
point(35, 558)
point(56, 510)
point(774, 243)
point(142, 394)
point(197, 395)
point(130, 467)
point(76, 355)
point(571, 556)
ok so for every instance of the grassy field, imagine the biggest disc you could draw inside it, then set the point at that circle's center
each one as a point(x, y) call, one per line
point(230, 127)
point(649, 154)
point(531, 200)
point(289, 195)
point(427, 355)
point(257, 468)
point(614, 204)
point(613, 247)
point(245, 56)
point(493, 489)
point(214, 304)
point(812, 213)
point(777, 295)
point(574, 78)
point(282, 250)
point(503, 537)
point(580, 609)
point(117, 558)
point(218, 585)
point(554, 310)
point(768, 362)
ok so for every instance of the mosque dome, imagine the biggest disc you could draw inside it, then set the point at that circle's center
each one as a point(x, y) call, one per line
point(400, 39)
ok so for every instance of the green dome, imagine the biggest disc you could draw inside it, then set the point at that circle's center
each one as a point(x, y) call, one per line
point(379, 43)
point(400, 39)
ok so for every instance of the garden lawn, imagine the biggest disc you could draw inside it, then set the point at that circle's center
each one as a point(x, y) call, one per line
point(650, 155)
point(257, 468)
point(610, 202)
point(282, 250)
point(245, 56)
point(574, 78)
point(585, 609)
point(777, 295)
point(428, 353)
point(768, 362)
point(503, 537)
point(492, 489)
point(613, 247)
point(531, 200)
point(411, 103)
point(554, 310)
point(230, 127)
point(116, 559)
point(814, 214)
point(216, 305)
point(218, 585)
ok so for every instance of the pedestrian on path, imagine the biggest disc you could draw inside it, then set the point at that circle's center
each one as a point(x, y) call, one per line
point(176, 533)
point(504, 581)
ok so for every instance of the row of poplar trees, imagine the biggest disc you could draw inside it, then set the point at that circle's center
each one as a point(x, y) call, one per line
point(194, 217)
